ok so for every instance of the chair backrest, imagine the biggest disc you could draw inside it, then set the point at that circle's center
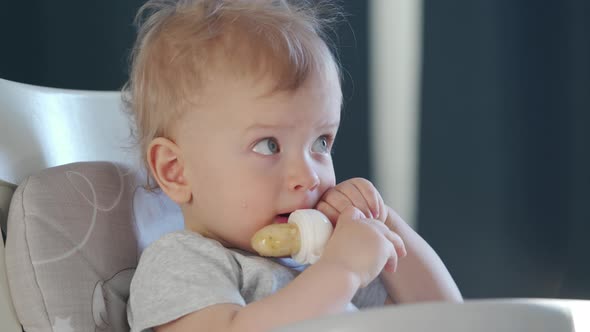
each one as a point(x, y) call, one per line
point(43, 127)
point(79, 217)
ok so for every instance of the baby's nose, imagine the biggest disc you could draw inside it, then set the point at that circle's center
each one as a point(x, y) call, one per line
point(309, 183)
point(303, 177)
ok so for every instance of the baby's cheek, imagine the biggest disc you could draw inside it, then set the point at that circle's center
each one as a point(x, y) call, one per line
point(328, 181)
point(324, 190)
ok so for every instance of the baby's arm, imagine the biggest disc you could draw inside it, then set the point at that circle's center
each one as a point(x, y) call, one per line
point(352, 258)
point(421, 275)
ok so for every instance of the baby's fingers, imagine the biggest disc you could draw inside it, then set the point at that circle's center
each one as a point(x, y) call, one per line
point(398, 243)
point(351, 195)
point(372, 198)
point(329, 211)
point(391, 263)
point(398, 250)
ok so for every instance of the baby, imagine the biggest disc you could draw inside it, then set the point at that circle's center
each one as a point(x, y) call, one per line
point(237, 105)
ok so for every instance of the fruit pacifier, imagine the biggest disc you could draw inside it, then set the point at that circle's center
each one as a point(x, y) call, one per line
point(303, 237)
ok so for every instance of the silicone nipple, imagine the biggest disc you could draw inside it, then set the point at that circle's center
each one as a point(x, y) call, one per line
point(303, 237)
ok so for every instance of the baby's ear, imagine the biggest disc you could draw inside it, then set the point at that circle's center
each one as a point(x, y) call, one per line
point(167, 166)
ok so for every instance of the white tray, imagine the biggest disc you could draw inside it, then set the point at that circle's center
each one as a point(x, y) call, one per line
point(506, 315)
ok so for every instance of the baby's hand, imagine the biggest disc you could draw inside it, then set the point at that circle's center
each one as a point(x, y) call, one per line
point(363, 195)
point(357, 192)
point(362, 246)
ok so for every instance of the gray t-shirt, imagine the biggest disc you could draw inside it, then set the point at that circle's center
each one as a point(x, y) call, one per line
point(184, 272)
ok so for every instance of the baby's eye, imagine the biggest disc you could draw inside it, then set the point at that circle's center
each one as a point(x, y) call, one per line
point(321, 145)
point(267, 146)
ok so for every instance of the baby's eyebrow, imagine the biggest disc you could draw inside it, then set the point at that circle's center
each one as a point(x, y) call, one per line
point(258, 126)
point(262, 126)
point(329, 125)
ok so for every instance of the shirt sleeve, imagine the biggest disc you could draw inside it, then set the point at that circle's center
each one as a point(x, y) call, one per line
point(179, 274)
point(373, 295)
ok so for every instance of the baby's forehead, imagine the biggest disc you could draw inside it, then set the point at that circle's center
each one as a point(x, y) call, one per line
point(242, 111)
point(267, 91)
point(231, 96)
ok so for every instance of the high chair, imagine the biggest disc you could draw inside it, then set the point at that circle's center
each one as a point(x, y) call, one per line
point(76, 218)
point(72, 237)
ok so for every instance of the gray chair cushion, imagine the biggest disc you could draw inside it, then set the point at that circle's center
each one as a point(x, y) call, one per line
point(74, 241)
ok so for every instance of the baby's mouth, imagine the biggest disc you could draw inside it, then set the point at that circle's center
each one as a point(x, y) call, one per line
point(282, 218)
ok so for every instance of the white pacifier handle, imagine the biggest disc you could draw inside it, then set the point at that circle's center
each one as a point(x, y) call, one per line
point(314, 231)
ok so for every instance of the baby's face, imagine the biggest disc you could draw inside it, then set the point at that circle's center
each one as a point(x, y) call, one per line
point(252, 157)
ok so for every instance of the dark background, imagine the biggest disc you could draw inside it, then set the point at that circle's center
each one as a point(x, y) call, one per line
point(504, 181)
point(504, 191)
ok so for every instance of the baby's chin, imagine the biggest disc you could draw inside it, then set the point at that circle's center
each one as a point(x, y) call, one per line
point(224, 242)
point(247, 248)
point(238, 245)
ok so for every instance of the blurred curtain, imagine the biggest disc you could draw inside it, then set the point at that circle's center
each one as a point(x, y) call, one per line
point(504, 194)
point(67, 44)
